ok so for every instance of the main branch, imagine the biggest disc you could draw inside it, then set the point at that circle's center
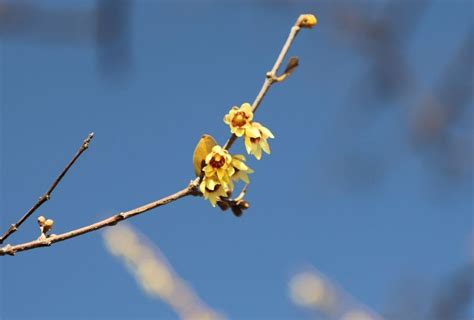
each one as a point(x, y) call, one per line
point(113, 220)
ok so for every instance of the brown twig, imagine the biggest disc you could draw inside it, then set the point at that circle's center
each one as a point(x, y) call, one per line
point(191, 189)
point(14, 227)
point(271, 76)
point(11, 250)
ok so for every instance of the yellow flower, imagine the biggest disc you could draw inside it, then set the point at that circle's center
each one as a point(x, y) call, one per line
point(218, 162)
point(256, 140)
point(212, 189)
point(239, 119)
point(241, 169)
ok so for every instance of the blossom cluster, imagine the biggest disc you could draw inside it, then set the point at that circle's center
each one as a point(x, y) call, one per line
point(220, 168)
point(255, 135)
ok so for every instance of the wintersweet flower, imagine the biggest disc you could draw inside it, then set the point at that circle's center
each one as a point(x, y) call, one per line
point(239, 119)
point(218, 162)
point(212, 189)
point(255, 143)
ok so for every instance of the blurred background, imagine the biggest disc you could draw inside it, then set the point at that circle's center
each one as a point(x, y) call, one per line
point(363, 211)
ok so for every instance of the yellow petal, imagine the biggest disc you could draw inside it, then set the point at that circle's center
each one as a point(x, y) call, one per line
point(252, 132)
point(265, 146)
point(230, 186)
point(227, 119)
point(208, 168)
point(239, 164)
point(213, 199)
point(238, 131)
point(248, 145)
point(258, 152)
point(210, 184)
point(240, 157)
point(246, 107)
point(220, 174)
point(266, 132)
point(202, 188)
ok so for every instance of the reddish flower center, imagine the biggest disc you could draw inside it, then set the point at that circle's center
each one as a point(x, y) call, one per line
point(217, 161)
point(240, 119)
point(255, 140)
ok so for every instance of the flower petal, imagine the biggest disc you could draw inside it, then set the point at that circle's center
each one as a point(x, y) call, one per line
point(252, 132)
point(213, 199)
point(258, 153)
point(202, 188)
point(220, 174)
point(266, 132)
point(239, 164)
point(246, 107)
point(211, 184)
point(244, 177)
point(238, 131)
point(248, 144)
point(265, 146)
point(240, 157)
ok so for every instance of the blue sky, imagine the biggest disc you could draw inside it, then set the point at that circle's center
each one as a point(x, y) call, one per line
point(344, 190)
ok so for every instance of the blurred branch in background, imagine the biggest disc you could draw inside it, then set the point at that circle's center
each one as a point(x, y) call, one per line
point(382, 40)
point(154, 274)
point(104, 26)
point(311, 290)
point(440, 127)
point(455, 296)
point(438, 123)
point(113, 36)
point(452, 299)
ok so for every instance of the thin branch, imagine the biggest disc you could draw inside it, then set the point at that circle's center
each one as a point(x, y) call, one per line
point(237, 205)
point(113, 220)
point(14, 227)
point(271, 76)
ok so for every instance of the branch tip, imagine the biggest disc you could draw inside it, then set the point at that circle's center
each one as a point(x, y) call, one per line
point(86, 142)
point(306, 21)
point(47, 195)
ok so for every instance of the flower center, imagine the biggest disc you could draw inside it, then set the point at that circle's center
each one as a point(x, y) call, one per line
point(255, 140)
point(215, 188)
point(217, 161)
point(240, 119)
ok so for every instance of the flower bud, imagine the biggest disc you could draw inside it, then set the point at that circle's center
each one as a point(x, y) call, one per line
point(41, 221)
point(236, 211)
point(306, 21)
point(48, 225)
point(223, 205)
point(244, 205)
